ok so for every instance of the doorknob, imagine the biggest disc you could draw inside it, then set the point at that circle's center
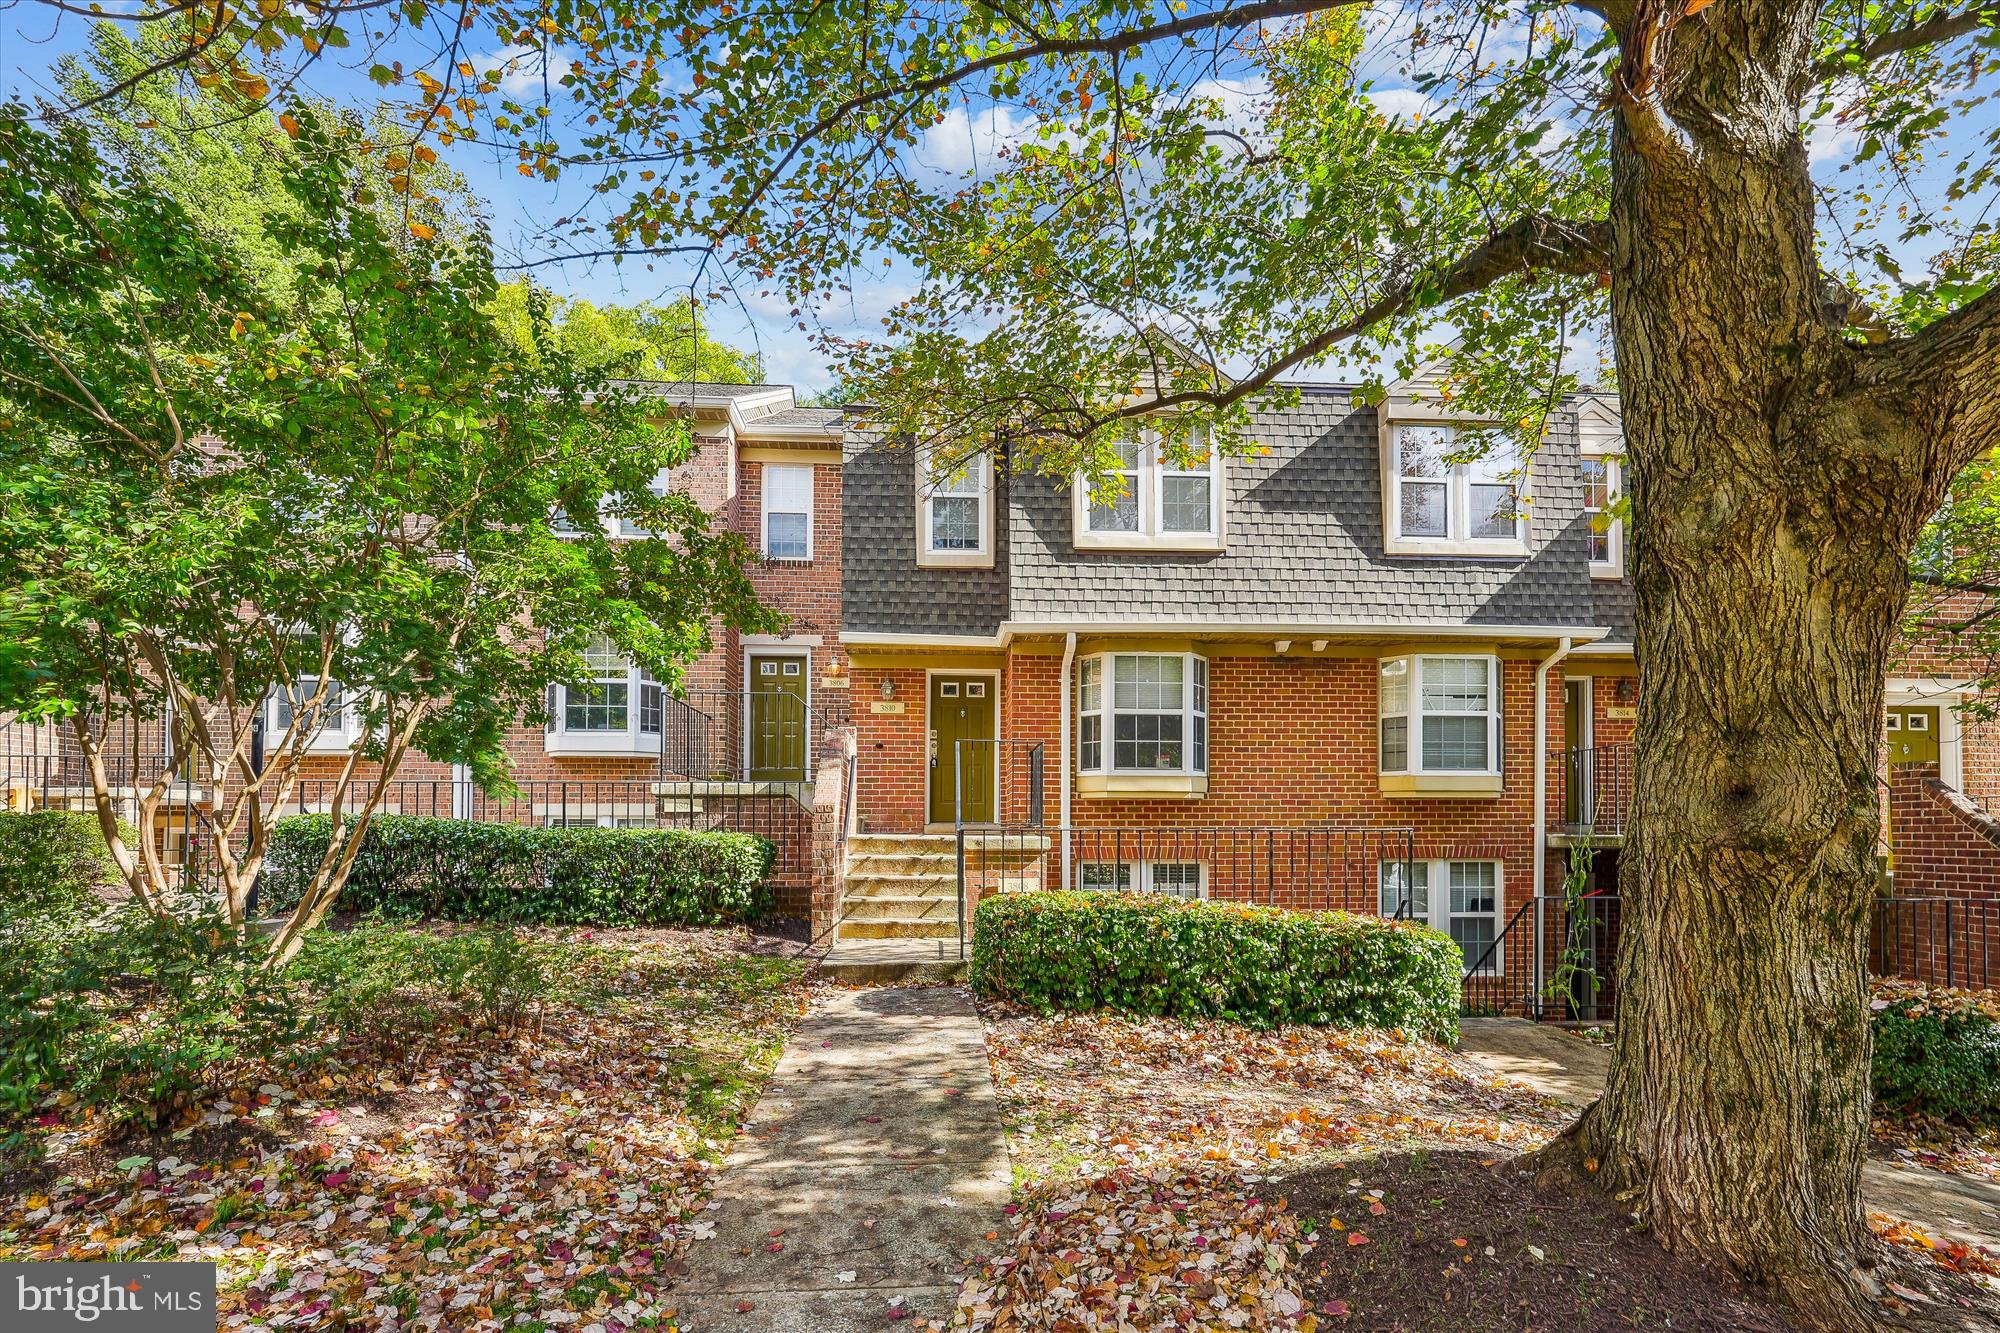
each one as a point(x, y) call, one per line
point(933, 747)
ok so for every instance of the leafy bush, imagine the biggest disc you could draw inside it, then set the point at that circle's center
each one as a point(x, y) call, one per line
point(1937, 1051)
point(53, 863)
point(1151, 954)
point(411, 867)
point(139, 1016)
point(388, 982)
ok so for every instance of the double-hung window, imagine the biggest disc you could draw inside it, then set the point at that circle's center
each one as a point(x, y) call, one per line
point(1142, 713)
point(788, 511)
point(1158, 497)
point(631, 527)
point(338, 722)
point(1439, 715)
point(955, 513)
point(1605, 533)
point(615, 708)
point(1438, 506)
point(1466, 905)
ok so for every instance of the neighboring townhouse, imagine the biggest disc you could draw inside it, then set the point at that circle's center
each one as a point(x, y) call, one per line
point(735, 749)
point(1337, 669)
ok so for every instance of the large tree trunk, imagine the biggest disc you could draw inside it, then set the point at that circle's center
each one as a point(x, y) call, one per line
point(1771, 523)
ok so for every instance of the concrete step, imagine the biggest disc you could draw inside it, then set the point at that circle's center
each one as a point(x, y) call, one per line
point(886, 907)
point(902, 842)
point(860, 962)
point(902, 863)
point(898, 929)
point(924, 886)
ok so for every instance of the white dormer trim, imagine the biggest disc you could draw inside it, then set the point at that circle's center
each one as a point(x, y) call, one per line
point(1600, 439)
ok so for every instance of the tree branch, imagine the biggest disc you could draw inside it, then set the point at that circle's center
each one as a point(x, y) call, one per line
point(1532, 244)
point(1943, 377)
point(1939, 28)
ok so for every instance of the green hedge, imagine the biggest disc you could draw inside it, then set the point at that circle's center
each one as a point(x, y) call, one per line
point(1937, 1052)
point(411, 868)
point(1152, 954)
point(53, 862)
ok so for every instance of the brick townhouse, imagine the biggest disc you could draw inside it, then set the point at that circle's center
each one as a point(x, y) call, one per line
point(1336, 670)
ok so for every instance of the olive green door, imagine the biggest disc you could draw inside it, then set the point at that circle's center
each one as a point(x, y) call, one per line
point(1913, 734)
point(962, 709)
point(775, 721)
point(1577, 765)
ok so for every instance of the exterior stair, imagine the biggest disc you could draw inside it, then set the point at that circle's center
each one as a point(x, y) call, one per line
point(900, 886)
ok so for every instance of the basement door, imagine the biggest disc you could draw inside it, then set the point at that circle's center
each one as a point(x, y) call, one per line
point(962, 709)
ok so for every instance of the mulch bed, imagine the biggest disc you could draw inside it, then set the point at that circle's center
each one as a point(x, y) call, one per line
point(1452, 1240)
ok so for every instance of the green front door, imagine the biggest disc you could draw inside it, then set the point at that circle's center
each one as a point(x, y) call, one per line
point(962, 709)
point(775, 720)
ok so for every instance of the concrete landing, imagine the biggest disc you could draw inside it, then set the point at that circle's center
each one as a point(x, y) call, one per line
point(882, 962)
point(1552, 1061)
point(866, 1178)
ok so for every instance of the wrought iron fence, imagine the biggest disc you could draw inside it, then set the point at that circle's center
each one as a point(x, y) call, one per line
point(1940, 941)
point(748, 735)
point(1943, 941)
point(1590, 790)
point(1308, 867)
point(997, 782)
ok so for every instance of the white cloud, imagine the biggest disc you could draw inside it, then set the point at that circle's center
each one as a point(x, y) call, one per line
point(962, 142)
point(522, 68)
point(1405, 103)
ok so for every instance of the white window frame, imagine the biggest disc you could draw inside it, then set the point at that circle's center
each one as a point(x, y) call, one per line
point(766, 511)
point(340, 724)
point(633, 737)
point(1434, 876)
point(1143, 877)
point(1458, 481)
point(1613, 565)
point(1193, 713)
point(662, 482)
point(1146, 481)
point(1410, 709)
point(979, 472)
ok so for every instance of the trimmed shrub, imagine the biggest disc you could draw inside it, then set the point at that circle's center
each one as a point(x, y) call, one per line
point(1937, 1051)
point(53, 863)
point(412, 868)
point(1153, 954)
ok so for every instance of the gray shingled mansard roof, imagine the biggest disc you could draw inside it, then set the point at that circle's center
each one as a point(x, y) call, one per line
point(1304, 547)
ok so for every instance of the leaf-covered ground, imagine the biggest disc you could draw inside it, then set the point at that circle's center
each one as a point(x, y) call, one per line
point(548, 1178)
point(1158, 1162)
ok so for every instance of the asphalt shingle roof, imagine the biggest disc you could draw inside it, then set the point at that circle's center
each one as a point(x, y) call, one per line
point(1304, 546)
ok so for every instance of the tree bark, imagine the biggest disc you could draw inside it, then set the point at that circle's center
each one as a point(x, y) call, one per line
point(1773, 509)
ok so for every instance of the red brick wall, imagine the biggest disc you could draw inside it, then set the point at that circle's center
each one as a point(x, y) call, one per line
point(1291, 744)
point(1947, 857)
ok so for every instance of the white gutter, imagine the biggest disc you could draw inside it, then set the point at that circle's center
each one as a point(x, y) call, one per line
point(1062, 753)
point(1296, 631)
point(1542, 795)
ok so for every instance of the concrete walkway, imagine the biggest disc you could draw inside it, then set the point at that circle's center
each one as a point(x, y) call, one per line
point(1561, 1065)
point(866, 1178)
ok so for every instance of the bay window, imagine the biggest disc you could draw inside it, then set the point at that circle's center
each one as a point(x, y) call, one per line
point(1157, 498)
point(788, 504)
point(1438, 506)
point(1466, 906)
point(1439, 715)
point(615, 709)
point(1142, 713)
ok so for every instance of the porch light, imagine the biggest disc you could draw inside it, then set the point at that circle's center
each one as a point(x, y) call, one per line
point(888, 688)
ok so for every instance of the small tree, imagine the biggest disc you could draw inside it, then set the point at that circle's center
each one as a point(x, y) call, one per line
point(208, 497)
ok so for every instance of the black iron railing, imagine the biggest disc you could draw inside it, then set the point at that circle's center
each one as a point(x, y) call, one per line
point(1590, 790)
point(748, 735)
point(1308, 867)
point(1943, 941)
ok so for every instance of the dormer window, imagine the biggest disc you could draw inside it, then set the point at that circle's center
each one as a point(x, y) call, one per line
point(1440, 507)
point(955, 512)
point(1601, 461)
point(1157, 499)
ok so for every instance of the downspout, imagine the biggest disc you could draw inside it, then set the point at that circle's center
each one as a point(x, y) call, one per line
point(1062, 753)
point(1542, 800)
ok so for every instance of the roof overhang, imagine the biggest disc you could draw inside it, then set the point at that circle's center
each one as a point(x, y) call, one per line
point(1247, 632)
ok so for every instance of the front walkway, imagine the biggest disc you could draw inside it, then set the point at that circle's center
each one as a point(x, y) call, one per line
point(868, 1175)
point(1561, 1065)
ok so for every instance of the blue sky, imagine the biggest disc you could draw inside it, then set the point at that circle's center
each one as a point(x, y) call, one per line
point(33, 37)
